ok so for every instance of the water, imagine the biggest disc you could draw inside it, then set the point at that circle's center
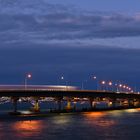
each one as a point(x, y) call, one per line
point(110, 125)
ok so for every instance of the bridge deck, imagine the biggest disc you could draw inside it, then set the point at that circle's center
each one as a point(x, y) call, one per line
point(62, 93)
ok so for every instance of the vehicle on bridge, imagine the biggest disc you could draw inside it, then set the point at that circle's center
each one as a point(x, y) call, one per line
point(38, 87)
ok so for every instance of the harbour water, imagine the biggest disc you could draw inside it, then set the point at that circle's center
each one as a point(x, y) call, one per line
point(107, 125)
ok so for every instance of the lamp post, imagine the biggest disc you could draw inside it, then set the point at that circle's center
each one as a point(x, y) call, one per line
point(110, 85)
point(83, 84)
point(116, 87)
point(124, 88)
point(66, 82)
point(59, 80)
point(120, 87)
point(95, 78)
point(28, 76)
point(103, 84)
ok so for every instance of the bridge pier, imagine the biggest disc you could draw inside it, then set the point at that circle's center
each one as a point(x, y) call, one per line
point(92, 103)
point(15, 104)
point(112, 103)
point(36, 107)
point(74, 105)
point(14, 101)
point(59, 103)
point(131, 102)
point(121, 103)
point(68, 106)
point(136, 103)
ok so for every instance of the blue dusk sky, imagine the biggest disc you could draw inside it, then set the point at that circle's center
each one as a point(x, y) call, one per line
point(72, 38)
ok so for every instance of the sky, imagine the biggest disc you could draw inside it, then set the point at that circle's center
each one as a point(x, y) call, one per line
point(76, 39)
point(126, 6)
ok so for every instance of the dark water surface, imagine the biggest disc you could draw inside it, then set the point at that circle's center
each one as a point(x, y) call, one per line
point(109, 125)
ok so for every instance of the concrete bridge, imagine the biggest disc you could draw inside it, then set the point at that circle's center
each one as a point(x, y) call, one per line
point(67, 93)
point(113, 98)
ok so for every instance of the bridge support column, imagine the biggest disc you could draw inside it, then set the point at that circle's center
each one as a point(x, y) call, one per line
point(121, 103)
point(92, 103)
point(15, 104)
point(68, 106)
point(14, 101)
point(59, 103)
point(136, 103)
point(36, 107)
point(130, 102)
point(112, 103)
point(74, 105)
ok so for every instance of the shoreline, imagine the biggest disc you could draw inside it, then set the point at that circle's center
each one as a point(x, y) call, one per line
point(56, 112)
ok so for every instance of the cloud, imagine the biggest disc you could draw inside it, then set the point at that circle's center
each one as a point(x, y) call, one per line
point(50, 40)
point(36, 21)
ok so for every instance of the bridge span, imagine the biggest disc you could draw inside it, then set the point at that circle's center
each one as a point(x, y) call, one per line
point(65, 93)
point(112, 98)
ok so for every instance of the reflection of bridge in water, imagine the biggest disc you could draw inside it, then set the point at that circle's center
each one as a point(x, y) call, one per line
point(70, 94)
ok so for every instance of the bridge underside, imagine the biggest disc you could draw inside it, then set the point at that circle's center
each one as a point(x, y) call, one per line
point(112, 98)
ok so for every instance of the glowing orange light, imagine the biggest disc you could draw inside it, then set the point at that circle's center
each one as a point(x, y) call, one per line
point(103, 82)
point(110, 83)
point(95, 114)
point(124, 86)
point(110, 103)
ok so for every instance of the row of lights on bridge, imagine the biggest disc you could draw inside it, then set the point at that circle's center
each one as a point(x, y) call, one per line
point(110, 83)
point(104, 83)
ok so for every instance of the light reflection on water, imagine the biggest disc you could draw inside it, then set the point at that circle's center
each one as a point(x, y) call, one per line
point(95, 114)
point(109, 125)
point(27, 128)
point(98, 119)
point(61, 120)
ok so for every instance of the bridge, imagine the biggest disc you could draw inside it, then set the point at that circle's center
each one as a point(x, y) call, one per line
point(71, 94)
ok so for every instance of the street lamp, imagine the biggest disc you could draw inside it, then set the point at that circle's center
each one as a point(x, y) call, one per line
point(103, 83)
point(66, 82)
point(110, 84)
point(28, 76)
point(124, 88)
point(95, 78)
point(120, 87)
point(116, 87)
point(62, 77)
point(59, 80)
